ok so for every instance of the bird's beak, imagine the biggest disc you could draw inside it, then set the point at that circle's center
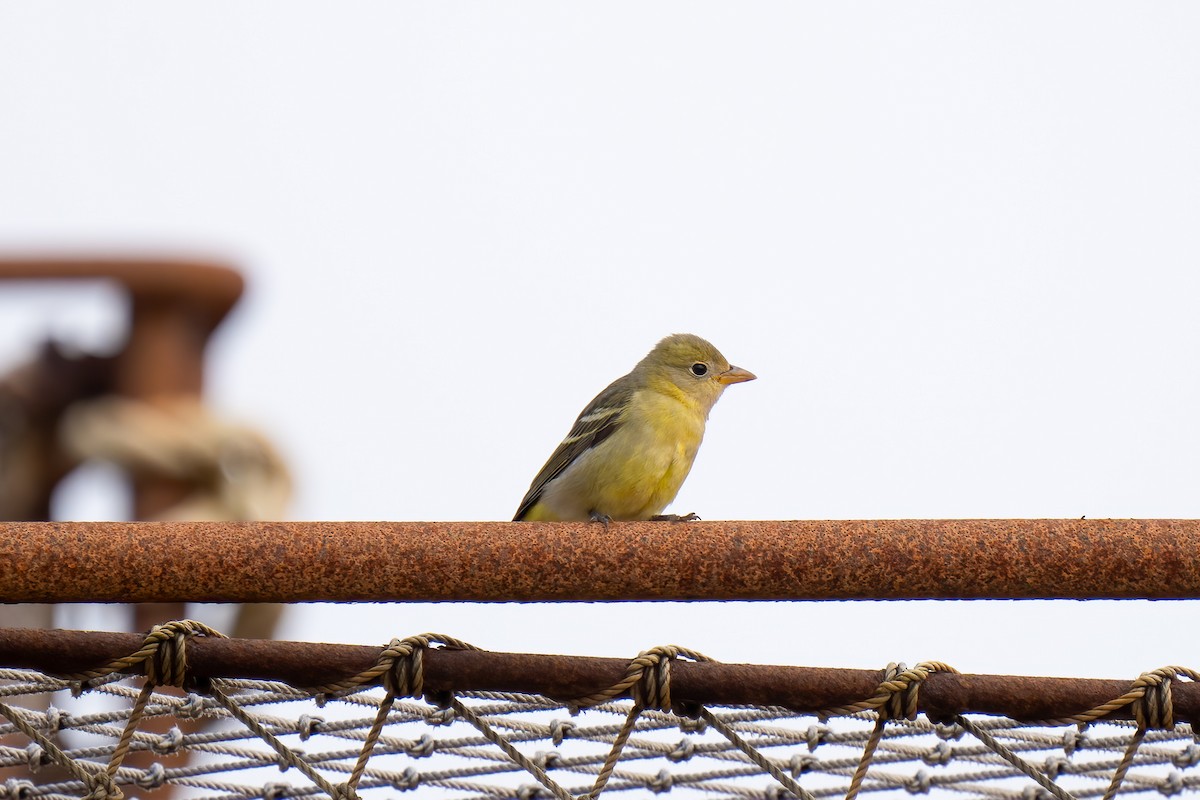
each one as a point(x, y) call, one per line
point(735, 375)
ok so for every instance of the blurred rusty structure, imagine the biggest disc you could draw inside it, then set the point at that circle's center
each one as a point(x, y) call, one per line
point(564, 678)
point(530, 561)
point(174, 307)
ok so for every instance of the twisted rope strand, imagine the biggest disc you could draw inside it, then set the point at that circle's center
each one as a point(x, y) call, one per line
point(895, 706)
point(289, 757)
point(889, 687)
point(754, 755)
point(364, 754)
point(1154, 709)
point(614, 753)
point(135, 717)
point(635, 673)
point(1144, 682)
point(1008, 755)
point(148, 653)
point(402, 660)
point(91, 775)
point(512, 752)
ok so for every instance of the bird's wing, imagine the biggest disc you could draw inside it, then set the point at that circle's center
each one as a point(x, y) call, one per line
point(600, 420)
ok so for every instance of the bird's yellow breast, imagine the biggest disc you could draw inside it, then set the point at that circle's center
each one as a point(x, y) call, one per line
point(636, 472)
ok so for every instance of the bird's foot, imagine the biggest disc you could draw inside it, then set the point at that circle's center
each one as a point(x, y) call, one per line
point(688, 517)
point(596, 516)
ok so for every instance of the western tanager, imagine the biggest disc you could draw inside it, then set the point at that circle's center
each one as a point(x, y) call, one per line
point(631, 448)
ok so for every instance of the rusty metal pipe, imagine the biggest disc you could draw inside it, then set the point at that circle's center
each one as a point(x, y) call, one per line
point(208, 289)
point(803, 689)
point(528, 561)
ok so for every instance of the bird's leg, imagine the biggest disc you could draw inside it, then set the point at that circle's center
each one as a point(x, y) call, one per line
point(688, 517)
point(596, 516)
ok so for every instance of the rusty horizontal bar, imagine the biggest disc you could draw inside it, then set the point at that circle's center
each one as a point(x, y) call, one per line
point(804, 689)
point(541, 561)
point(208, 286)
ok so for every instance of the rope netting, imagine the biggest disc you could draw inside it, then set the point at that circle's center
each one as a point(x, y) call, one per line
point(98, 734)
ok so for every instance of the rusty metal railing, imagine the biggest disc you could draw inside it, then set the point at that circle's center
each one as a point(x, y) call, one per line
point(505, 561)
point(801, 689)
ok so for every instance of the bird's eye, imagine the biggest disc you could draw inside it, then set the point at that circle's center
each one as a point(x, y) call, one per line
point(699, 369)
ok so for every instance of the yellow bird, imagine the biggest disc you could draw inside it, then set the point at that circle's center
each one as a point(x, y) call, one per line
point(631, 448)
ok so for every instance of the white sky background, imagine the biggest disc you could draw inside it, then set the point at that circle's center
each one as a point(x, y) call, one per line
point(957, 242)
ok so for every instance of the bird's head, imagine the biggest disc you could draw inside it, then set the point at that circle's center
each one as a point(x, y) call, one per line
point(693, 366)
